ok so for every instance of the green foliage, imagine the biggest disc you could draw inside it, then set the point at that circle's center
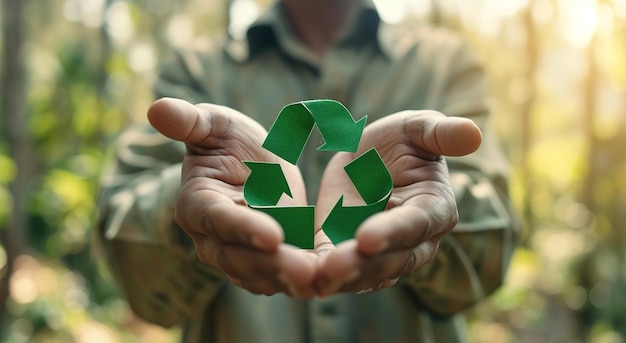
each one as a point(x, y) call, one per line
point(58, 291)
point(7, 173)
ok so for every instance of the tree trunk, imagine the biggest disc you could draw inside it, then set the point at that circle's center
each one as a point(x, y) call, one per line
point(526, 111)
point(589, 113)
point(14, 134)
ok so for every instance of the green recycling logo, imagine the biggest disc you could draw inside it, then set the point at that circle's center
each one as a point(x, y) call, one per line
point(287, 138)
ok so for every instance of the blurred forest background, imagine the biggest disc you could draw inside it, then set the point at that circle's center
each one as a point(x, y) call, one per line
point(76, 72)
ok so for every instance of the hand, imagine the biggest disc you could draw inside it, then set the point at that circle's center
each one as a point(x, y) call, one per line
point(245, 244)
point(420, 212)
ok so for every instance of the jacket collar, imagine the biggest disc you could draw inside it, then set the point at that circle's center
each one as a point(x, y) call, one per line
point(272, 30)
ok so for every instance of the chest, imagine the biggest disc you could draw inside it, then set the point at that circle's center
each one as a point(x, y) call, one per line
point(365, 81)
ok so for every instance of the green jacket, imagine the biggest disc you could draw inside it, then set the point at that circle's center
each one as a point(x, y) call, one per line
point(375, 70)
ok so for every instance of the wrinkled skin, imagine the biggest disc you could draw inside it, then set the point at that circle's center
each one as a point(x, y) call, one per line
point(247, 245)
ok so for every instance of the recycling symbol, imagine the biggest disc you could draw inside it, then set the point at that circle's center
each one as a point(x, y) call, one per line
point(287, 138)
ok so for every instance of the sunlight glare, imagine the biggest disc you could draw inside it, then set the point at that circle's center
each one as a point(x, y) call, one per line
point(578, 20)
point(391, 11)
point(488, 16)
point(119, 23)
point(420, 8)
point(141, 57)
point(88, 12)
point(242, 14)
point(180, 30)
point(620, 8)
point(504, 8)
point(543, 12)
point(605, 20)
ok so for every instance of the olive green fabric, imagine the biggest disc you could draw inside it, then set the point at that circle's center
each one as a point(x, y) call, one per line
point(375, 70)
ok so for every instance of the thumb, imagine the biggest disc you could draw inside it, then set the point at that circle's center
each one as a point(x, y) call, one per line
point(438, 134)
point(457, 136)
point(178, 120)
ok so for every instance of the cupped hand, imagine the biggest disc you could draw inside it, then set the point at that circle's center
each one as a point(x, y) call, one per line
point(420, 212)
point(245, 244)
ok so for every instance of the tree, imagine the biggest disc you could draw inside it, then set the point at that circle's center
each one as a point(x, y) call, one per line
point(15, 138)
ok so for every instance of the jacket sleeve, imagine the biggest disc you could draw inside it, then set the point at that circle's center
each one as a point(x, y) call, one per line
point(149, 255)
point(472, 260)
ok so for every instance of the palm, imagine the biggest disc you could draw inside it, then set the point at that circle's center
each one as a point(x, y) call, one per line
point(244, 244)
point(421, 209)
point(413, 171)
point(247, 245)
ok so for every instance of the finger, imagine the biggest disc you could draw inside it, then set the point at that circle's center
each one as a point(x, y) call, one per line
point(335, 184)
point(287, 269)
point(195, 124)
point(337, 267)
point(211, 213)
point(345, 270)
point(423, 218)
point(438, 134)
point(383, 271)
point(178, 119)
point(236, 224)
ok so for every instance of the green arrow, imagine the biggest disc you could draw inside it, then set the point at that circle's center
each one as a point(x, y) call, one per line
point(338, 128)
point(265, 184)
point(262, 190)
point(296, 222)
point(287, 138)
point(370, 176)
point(372, 180)
point(342, 222)
point(295, 122)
